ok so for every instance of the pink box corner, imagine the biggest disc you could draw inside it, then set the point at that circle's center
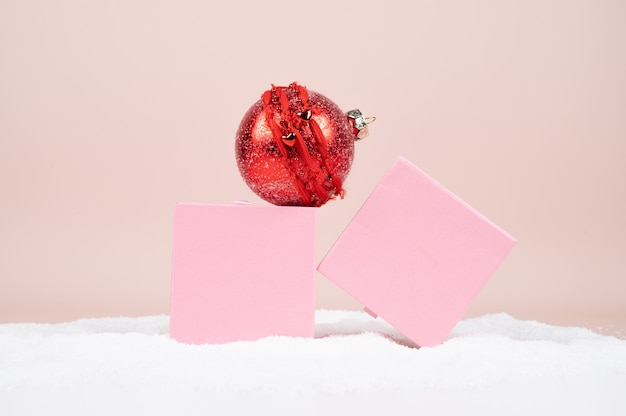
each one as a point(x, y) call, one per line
point(242, 272)
point(416, 255)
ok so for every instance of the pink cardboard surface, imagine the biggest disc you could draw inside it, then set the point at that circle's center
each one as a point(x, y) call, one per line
point(416, 255)
point(242, 272)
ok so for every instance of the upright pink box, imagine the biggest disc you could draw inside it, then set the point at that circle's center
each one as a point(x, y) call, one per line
point(242, 272)
point(416, 255)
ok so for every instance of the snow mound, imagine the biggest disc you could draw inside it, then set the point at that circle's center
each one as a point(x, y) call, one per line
point(494, 363)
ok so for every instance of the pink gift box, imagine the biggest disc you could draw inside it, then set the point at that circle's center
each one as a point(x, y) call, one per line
point(242, 272)
point(416, 255)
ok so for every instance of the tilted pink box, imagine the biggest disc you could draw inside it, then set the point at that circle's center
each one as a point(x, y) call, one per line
point(416, 255)
point(242, 272)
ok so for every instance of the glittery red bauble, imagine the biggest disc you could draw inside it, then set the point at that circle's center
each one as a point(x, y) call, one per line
point(295, 147)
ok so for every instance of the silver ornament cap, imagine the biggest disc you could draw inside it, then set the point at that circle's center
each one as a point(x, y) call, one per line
point(360, 122)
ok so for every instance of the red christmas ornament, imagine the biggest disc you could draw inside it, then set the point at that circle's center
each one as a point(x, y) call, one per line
point(295, 146)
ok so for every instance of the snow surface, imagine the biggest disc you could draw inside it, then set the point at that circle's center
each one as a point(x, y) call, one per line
point(355, 365)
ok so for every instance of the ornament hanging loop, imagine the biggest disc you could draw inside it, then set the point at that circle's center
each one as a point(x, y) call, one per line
point(359, 123)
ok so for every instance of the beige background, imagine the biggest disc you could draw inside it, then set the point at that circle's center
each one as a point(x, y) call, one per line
point(112, 111)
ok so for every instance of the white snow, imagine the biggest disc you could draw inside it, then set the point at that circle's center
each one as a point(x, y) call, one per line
point(355, 365)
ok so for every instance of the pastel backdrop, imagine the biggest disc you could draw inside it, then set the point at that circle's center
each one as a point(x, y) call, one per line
point(113, 111)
